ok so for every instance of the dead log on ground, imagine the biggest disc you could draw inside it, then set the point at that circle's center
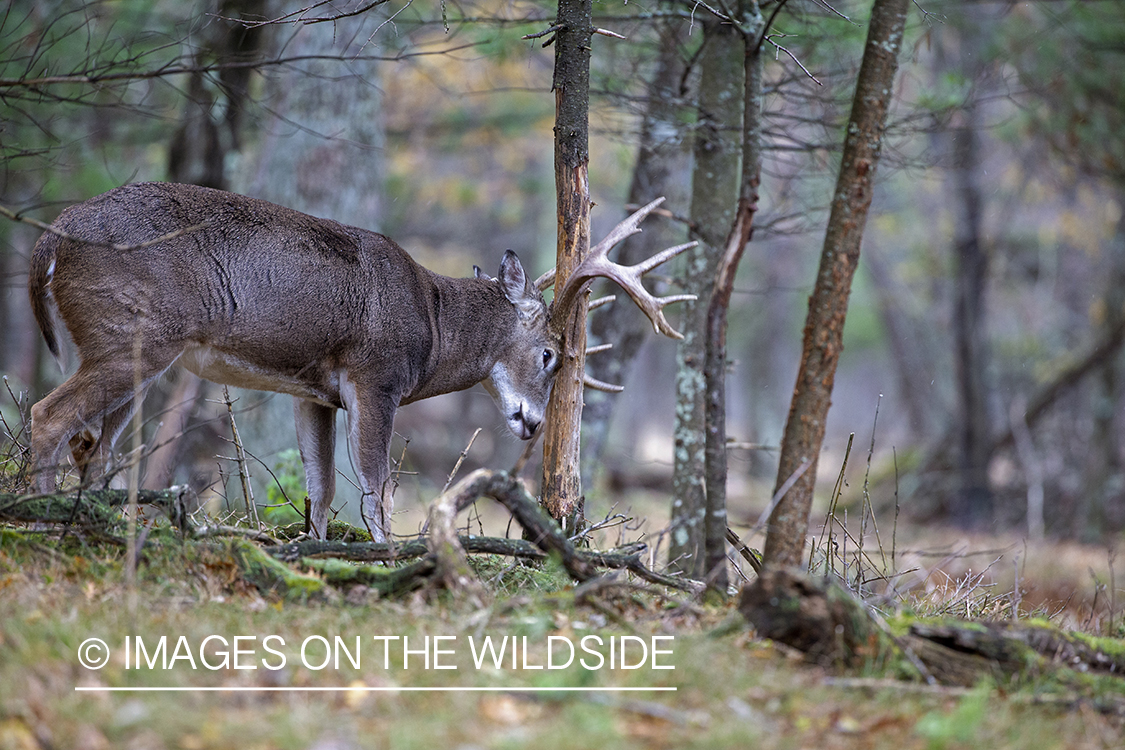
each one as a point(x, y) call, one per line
point(825, 621)
point(92, 507)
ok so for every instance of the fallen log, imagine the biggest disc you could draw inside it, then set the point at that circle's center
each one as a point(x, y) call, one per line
point(315, 549)
point(95, 507)
point(822, 619)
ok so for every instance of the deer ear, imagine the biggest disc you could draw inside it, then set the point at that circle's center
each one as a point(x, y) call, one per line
point(517, 286)
point(479, 274)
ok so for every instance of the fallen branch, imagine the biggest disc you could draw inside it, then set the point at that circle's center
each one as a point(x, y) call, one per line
point(94, 507)
point(315, 549)
point(830, 626)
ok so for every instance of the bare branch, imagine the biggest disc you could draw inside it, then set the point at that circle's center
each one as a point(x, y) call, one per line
point(552, 30)
point(164, 71)
point(16, 216)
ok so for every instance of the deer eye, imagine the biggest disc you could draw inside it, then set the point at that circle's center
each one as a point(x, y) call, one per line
point(548, 355)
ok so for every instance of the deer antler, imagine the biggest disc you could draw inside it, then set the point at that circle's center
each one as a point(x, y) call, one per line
point(596, 264)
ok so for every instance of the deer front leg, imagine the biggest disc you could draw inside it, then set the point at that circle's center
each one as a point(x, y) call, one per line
point(371, 415)
point(316, 441)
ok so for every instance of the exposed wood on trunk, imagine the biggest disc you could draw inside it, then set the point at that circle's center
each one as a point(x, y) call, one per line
point(562, 491)
point(824, 326)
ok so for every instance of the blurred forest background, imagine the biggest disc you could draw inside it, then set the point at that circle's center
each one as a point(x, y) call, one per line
point(985, 326)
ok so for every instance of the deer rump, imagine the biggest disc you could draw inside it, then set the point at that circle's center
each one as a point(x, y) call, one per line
point(248, 293)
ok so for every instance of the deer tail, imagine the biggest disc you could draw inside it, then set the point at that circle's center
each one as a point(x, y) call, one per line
point(38, 280)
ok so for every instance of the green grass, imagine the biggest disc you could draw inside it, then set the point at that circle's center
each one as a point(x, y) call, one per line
point(732, 690)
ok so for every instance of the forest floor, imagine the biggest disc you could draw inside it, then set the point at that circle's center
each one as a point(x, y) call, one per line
point(725, 688)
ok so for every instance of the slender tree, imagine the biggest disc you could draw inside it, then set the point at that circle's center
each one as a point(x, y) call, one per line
point(715, 368)
point(562, 490)
point(715, 189)
point(824, 326)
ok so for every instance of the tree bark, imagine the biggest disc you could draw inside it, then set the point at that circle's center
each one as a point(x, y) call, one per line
point(972, 503)
point(828, 305)
point(715, 368)
point(562, 485)
point(714, 203)
point(1104, 480)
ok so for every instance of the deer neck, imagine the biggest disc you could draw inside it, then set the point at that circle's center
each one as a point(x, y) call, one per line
point(471, 325)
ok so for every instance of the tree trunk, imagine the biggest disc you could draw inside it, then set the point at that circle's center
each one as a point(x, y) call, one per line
point(715, 370)
point(661, 162)
point(1105, 484)
point(828, 305)
point(562, 487)
point(714, 202)
point(972, 503)
point(321, 153)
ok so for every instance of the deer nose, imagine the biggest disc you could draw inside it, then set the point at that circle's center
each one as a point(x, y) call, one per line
point(528, 424)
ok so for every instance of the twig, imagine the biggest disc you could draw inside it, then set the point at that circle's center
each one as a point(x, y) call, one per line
point(460, 460)
point(837, 490)
point(15, 216)
point(525, 456)
point(781, 491)
point(743, 549)
point(243, 469)
point(539, 34)
point(791, 56)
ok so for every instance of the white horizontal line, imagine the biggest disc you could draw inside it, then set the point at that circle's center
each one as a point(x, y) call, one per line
point(366, 689)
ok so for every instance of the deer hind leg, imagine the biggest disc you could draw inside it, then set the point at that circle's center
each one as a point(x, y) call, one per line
point(316, 440)
point(371, 417)
point(88, 412)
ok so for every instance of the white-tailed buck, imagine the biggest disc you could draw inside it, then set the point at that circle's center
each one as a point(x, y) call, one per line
point(251, 294)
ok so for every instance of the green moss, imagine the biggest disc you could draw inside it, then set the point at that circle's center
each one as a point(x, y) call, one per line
point(273, 577)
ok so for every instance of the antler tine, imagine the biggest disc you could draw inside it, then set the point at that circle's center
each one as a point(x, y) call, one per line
point(620, 232)
point(647, 265)
point(600, 302)
point(596, 263)
point(629, 278)
point(600, 385)
point(628, 227)
point(546, 281)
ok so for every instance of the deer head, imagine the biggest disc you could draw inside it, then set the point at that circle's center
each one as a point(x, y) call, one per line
point(520, 381)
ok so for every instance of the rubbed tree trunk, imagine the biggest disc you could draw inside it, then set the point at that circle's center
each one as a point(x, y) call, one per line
point(828, 305)
point(715, 370)
point(715, 190)
point(562, 489)
point(661, 162)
